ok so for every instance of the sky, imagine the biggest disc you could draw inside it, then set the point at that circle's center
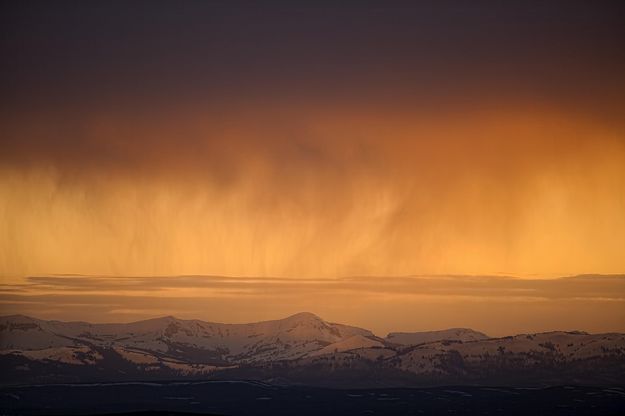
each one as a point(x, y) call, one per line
point(496, 305)
point(314, 142)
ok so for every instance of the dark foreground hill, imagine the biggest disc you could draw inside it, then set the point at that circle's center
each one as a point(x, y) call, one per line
point(252, 398)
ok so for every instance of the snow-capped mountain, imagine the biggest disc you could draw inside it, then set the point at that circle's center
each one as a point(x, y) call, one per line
point(300, 348)
point(187, 340)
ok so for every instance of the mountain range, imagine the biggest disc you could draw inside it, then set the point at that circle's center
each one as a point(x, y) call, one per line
point(300, 349)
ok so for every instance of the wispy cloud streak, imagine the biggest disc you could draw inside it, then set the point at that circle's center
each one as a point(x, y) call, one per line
point(592, 302)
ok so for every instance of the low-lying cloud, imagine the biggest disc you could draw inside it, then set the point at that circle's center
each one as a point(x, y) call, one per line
point(496, 304)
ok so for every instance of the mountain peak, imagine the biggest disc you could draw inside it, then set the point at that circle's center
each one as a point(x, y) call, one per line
point(304, 316)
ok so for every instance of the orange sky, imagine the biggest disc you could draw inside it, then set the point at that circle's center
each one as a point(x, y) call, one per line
point(321, 193)
point(308, 142)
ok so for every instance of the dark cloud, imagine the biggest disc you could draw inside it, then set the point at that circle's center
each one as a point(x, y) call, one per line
point(114, 52)
point(110, 85)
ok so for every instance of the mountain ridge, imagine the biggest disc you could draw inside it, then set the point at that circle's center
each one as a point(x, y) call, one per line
point(301, 348)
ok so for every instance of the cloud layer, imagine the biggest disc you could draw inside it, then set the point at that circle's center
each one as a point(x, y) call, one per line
point(496, 304)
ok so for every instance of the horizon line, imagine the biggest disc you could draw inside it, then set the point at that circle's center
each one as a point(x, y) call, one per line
point(162, 317)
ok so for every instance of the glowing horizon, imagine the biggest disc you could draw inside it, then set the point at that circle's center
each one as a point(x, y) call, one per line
point(496, 305)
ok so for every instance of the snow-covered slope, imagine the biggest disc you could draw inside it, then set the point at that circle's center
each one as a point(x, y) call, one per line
point(352, 343)
point(194, 340)
point(547, 350)
point(550, 349)
point(453, 334)
point(23, 332)
point(168, 347)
